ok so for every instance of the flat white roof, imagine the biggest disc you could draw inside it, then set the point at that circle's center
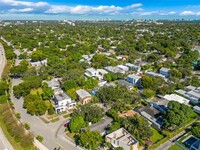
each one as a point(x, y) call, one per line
point(175, 97)
point(123, 67)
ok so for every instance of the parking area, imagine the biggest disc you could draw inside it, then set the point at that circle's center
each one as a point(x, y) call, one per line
point(101, 126)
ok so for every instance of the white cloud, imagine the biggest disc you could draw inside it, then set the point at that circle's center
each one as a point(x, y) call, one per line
point(21, 10)
point(140, 9)
point(83, 9)
point(172, 13)
point(134, 6)
point(23, 3)
point(187, 13)
point(148, 13)
point(42, 6)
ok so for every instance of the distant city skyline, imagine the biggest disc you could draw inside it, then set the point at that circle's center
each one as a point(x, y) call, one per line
point(92, 10)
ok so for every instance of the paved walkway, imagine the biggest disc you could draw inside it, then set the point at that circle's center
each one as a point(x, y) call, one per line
point(4, 143)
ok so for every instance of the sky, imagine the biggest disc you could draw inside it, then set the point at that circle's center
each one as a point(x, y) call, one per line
point(98, 9)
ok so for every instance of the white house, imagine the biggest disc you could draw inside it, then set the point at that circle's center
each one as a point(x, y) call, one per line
point(39, 63)
point(102, 72)
point(134, 79)
point(63, 102)
point(91, 72)
point(164, 72)
point(133, 67)
point(123, 68)
point(97, 73)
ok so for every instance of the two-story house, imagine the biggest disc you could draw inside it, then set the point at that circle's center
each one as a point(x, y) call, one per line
point(63, 102)
point(134, 79)
point(83, 96)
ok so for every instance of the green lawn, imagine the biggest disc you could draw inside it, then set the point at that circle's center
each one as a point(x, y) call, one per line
point(67, 115)
point(35, 91)
point(156, 136)
point(15, 145)
point(11, 139)
point(55, 120)
point(175, 147)
point(71, 135)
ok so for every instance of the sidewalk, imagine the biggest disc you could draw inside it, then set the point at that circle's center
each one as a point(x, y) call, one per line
point(39, 145)
point(4, 143)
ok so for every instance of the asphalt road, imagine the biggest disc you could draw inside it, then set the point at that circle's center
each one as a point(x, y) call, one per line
point(2, 59)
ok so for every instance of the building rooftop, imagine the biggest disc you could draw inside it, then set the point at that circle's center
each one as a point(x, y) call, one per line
point(182, 92)
point(123, 136)
point(132, 65)
point(123, 82)
point(151, 111)
point(164, 69)
point(134, 76)
point(53, 83)
point(102, 71)
point(190, 87)
point(82, 93)
point(114, 69)
point(197, 108)
point(193, 93)
point(125, 68)
point(91, 70)
point(154, 74)
point(62, 96)
point(175, 97)
point(162, 102)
